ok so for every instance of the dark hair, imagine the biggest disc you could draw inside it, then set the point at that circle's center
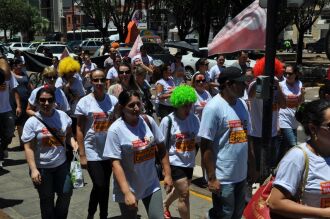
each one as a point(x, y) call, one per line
point(47, 90)
point(239, 53)
point(200, 62)
point(194, 78)
point(312, 112)
point(126, 95)
point(324, 89)
point(2, 76)
point(95, 70)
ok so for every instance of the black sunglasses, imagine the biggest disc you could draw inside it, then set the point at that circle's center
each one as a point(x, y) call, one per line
point(44, 100)
point(289, 73)
point(201, 81)
point(50, 77)
point(95, 80)
point(126, 72)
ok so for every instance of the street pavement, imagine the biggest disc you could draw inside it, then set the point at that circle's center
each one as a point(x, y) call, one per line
point(19, 199)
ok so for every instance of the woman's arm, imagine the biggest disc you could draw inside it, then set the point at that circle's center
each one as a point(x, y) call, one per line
point(31, 110)
point(29, 154)
point(159, 90)
point(168, 182)
point(118, 172)
point(279, 202)
point(81, 120)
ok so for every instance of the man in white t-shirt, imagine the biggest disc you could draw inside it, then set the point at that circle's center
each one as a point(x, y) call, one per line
point(7, 118)
point(224, 145)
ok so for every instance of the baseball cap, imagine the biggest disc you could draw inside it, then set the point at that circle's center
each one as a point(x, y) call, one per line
point(232, 74)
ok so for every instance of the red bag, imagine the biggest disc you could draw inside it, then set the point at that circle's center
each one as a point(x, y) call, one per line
point(257, 207)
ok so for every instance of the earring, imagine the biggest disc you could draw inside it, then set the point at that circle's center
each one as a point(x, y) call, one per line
point(314, 136)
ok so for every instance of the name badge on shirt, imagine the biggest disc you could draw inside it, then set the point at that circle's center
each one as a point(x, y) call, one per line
point(142, 150)
point(184, 142)
point(102, 122)
point(236, 136)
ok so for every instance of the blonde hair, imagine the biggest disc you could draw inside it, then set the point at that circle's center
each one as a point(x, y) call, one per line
point(68, 65)
point(49, 71)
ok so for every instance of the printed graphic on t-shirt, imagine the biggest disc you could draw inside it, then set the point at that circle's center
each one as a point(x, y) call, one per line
point(291, 101)
point(325, 187)
point(48, 140)
point(325, 202)
point(236, 136)
point(101, 122)
point(142, 150)
point(184, 142)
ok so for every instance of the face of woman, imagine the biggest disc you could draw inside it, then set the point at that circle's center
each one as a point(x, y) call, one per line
point(139, 77)
point(167, 73)
point(183, 111)
point(290, 75)
point(200, 83)
point(323, 134)
point(50, 79)
point(132, 109)
point(46, 103)
point(98, 81)
point(124, 74)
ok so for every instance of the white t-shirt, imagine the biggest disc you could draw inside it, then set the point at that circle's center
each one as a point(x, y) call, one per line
point(227, 127)
point(214, 72)
point(287, 115)
point(49, 152)
point(5, 95)
point(202, 99)
point(76, 89)
point(135, 148)
point(60, 99)
point(291, 171)
point(182, 139)
point(167, 85)
point(99, 116)
point(112, 73)
point(147, 60)
point(256, 113)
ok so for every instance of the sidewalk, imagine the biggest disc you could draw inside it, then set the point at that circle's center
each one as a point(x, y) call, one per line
point(19, 199)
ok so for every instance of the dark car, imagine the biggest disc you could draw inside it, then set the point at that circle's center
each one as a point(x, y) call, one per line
point(318, 46)
point(158, 52)
point(74, 45)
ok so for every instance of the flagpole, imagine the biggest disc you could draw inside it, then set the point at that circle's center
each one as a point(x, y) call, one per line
point(269, 71)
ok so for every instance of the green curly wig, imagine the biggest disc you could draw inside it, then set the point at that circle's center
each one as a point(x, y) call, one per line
point(183, 95)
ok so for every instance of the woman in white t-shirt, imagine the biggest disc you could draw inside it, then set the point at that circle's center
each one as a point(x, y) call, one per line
point(124, 79)
point(181, 128)
point(203, 96)
point(164, 88)
point(46, 157)
point(132, 143)
point(49, 76)
point(290, 177)
point(294, 95)
point(95, 114)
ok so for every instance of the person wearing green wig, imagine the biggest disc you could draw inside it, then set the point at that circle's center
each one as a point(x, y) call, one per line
point(180, 128)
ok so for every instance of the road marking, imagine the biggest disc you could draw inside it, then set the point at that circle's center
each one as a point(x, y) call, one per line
point(201, 196)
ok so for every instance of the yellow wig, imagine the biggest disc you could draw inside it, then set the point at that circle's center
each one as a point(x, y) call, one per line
point(68, 65)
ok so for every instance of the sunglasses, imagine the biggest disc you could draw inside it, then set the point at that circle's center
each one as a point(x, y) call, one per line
point(205, 64)
point(126, 72)
point(289, 73)
point(200, 81)
point(95, 80)
point(51, 77)
point(44, 100)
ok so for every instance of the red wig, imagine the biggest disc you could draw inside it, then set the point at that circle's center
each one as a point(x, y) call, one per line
point(259, 67)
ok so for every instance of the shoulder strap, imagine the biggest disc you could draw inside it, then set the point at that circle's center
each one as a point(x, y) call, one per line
point(168, 133)
point(50, 130)
point(306, 171)
point(146, 119)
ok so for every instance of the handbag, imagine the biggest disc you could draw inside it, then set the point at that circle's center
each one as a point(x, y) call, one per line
point(76, 174)
point(257, 207)
point(158, 164)
point(68, 147)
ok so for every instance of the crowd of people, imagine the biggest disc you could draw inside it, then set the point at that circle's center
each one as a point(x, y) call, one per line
point(134, 115)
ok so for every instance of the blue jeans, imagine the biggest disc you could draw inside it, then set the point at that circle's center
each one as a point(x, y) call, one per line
point(230, 203)
point(55, 180)
point(7, 128)
point(288, 140)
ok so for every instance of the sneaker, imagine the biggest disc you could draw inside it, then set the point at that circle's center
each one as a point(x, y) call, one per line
point(167, 214)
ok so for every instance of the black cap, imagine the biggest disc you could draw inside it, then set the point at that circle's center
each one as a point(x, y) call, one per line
point(231, 74)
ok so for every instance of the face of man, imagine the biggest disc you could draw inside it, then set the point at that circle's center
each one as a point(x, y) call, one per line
point(243, 58)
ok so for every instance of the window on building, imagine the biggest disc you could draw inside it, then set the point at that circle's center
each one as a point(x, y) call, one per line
point(309, 31)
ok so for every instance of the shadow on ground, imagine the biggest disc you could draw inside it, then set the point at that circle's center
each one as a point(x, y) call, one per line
point(10, 162)
point(6, 203)
point(200, 182)
point(4, 171)
point(17, 148)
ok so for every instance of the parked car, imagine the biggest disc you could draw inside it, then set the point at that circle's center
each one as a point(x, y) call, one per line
point(8, 53)
point(74, 45)
point(318, 46)
point(90, 45)
point(33, 46)
point(55, 49)
point(19, 46)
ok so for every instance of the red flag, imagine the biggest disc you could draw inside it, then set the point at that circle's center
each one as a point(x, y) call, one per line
point(65, 53)
point(247, 31)
point(136, 47)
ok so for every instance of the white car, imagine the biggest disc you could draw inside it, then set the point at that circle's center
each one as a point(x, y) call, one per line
point(189, 61)
point(19, 46)
point(55, 49)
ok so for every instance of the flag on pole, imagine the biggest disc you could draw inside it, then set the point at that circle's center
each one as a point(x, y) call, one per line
point(65, 53)
point(247, 31)
point(136, 47)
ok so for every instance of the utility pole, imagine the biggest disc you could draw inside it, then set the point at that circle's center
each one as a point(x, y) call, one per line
point(73, 21)
point(269, 71)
